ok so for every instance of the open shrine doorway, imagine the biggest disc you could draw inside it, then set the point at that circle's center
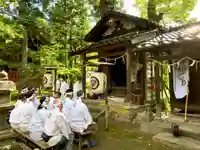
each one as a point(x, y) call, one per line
point(118, 73)
point(116, 76)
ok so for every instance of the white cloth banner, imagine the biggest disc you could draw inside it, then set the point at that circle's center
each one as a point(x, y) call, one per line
point(181, 79)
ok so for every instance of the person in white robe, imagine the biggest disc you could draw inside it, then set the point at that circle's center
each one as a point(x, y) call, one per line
point(50, 105)
point(68, 104)
point(34, 100)
point(77, 87)
point(54, 100)
point(58, 83)
point(36, 125)
point(57, 97)
point(63, 88)
point(57, 131)
point(15, 115)
point(81, 118)
point(27, 111)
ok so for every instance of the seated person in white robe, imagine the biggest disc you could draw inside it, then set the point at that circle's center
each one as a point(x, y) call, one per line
point(27, 111)
point(54, 100)
point(50, 104)
point(57, 97)
point(35, 100)
point(81, 118)
point(36, 125)
point(68, 104)
point(57, 131)
point(15, 115)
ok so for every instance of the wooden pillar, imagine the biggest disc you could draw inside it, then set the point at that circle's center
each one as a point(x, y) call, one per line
point(157, 81)
point(128, 75)
point(144, 85)
point(83, 69)
point(171, 92)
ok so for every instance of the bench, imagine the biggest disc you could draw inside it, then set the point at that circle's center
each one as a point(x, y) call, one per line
point(42, 145)
point(81, 135)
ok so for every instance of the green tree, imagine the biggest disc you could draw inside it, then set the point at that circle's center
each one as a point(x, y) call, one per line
point(174, 10)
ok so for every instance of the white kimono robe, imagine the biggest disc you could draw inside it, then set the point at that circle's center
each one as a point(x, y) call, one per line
point(76, 87)
point(35, 102)
point(67, 107)
point(50, 105)
point(58, 83)
point(80, 116)
point(36, 125)
point(26, 114)
point(56, 126)
point(63, 88)
point(15, 115)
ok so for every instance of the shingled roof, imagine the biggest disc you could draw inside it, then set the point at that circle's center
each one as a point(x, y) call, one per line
point(132, 38)
point(190, 32)
point(101, 27)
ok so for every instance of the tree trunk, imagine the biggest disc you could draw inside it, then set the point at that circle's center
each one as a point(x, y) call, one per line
point(24, 42)
point(103, 7)
point(151, 12)
point(25, 48)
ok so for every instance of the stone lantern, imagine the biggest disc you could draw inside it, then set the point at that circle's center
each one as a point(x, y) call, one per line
point(6, 87)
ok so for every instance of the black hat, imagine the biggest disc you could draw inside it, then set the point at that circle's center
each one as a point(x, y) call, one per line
point(69, 91)
point(79, 93)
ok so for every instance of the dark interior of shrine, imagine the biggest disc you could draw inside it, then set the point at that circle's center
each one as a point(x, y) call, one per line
point(118, 73)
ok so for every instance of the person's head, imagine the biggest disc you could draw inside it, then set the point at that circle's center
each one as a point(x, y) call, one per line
point(23, 94)
point(59, 77)
point(57, 94)
point(31, 94)
point(42, 102)
point(69, 93)
point(80, 94)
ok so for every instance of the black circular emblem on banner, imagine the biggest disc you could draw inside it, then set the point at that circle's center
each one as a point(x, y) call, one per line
point(94, 82)
point(45, 80)
point(183, 83)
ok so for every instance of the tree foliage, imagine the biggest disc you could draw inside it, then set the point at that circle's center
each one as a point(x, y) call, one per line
point(174, 10)
point(110, 5)
point(56, 27)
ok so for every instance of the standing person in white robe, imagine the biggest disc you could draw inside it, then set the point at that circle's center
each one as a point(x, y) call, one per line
point(15, 115)
point(77, 87)
point(36, 125)
point(68, 104)
point(27, 111)
point(63, 88)
point(57, 131)
point(81, 118)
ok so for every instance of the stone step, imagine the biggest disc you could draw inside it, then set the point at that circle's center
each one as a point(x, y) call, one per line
point(177, 142)
point(158, 126)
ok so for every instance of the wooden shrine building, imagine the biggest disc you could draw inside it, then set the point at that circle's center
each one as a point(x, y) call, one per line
point(175, 45)
point(115, 38)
